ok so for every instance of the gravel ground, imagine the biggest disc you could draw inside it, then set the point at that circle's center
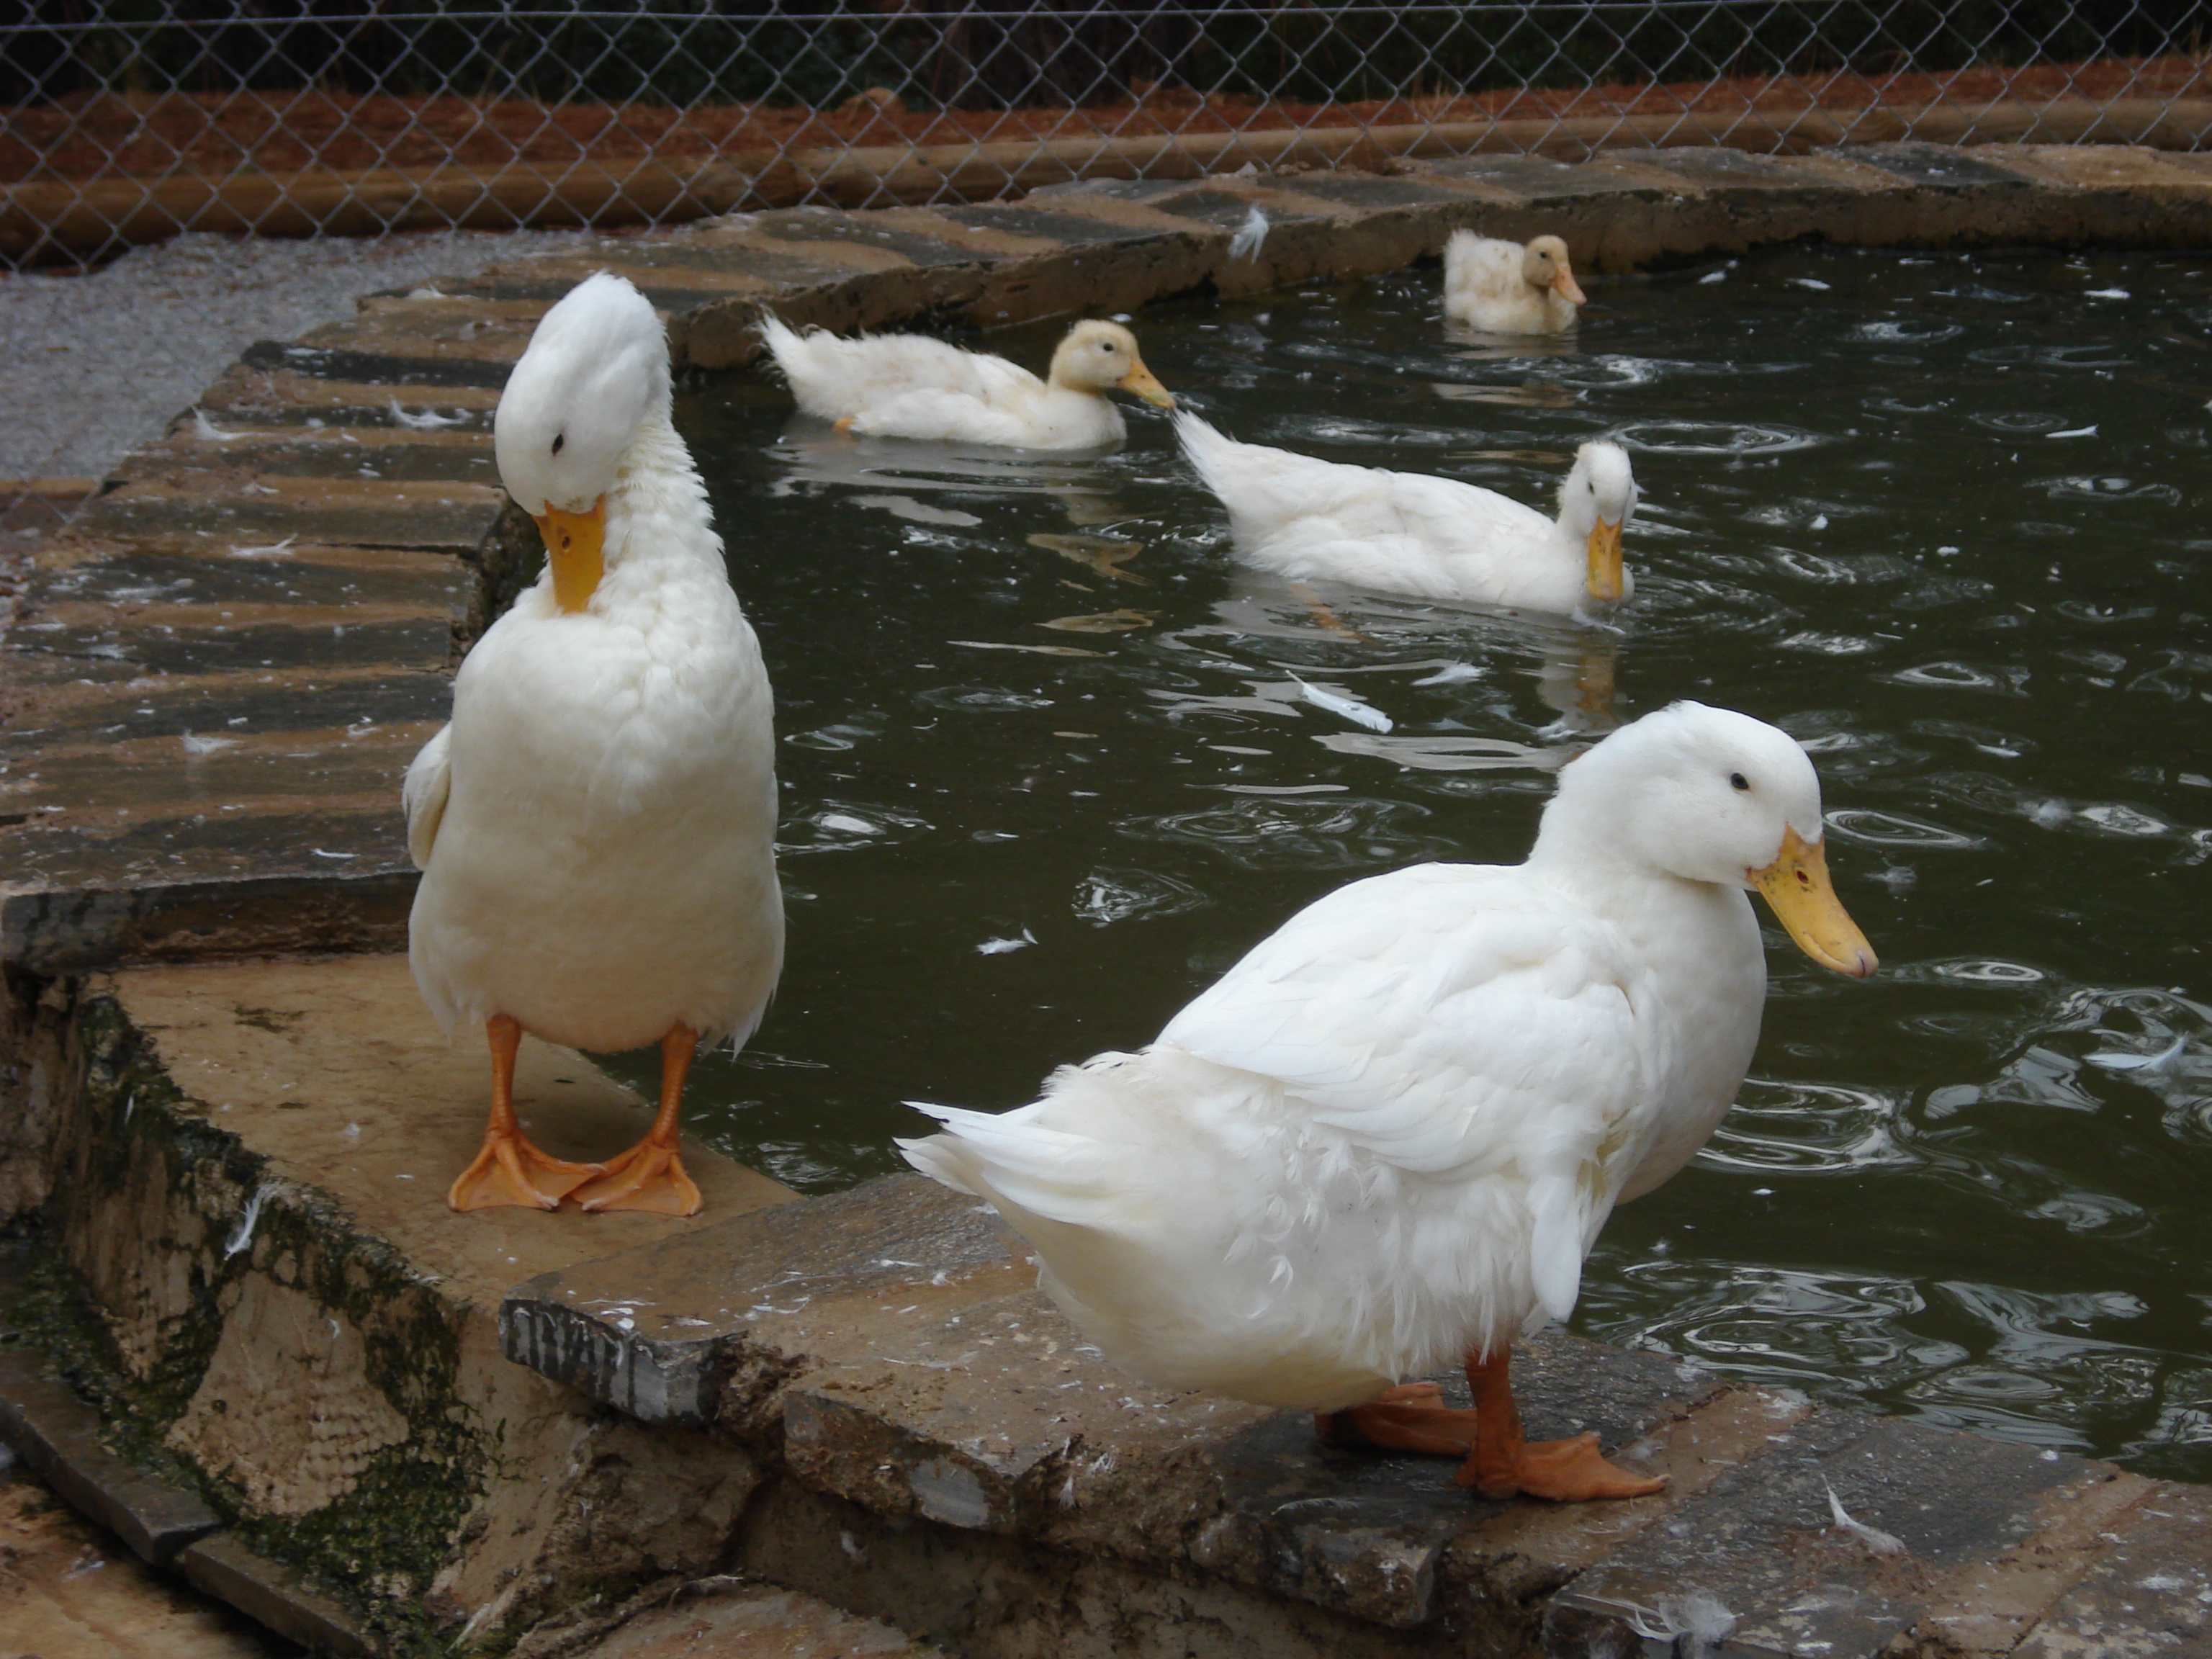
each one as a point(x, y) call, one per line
point(91, 366)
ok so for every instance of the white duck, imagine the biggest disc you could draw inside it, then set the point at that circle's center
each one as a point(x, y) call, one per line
point(1506, 289)
point(596, 824)
point(1411, 532)
point(907, 386)
point(1387, 1138)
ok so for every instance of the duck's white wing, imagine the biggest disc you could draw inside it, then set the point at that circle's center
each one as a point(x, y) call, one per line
point(1449, 516)
point(429, 780)
point(1266, 489)
point(1458, 1023)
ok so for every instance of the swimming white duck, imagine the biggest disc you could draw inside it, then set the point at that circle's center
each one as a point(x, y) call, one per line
point(1507, 288)
point(596, 825)
point(1387, 1138)
point(907, 386)
point(1411, 532)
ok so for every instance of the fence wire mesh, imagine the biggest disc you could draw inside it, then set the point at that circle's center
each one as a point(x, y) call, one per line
point(126, 121)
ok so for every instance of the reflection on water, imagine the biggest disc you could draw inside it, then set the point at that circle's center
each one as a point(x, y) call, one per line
point(1051, 762)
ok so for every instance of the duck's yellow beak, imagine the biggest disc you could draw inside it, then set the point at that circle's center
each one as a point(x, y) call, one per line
point(1605, 579)
point(1139, 380)
point(575, 546)
point(1797, 885)
point(1569, 290)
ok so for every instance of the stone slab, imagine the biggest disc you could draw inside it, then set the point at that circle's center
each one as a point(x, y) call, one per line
point(1763, 1542)
point(67, 1591)
point(1532, 178)
point(394, 1111)
point(58, 1434)
point(272, 1596)
point(2150, 1595)
point(732, 1618)
point(1932, 167)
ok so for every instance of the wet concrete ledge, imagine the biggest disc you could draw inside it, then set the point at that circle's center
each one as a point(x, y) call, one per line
point(225, 662)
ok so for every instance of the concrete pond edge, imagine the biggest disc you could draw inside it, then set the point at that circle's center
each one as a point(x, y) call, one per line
point(223, 661)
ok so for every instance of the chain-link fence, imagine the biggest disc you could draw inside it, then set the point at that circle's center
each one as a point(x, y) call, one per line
point(126, 121)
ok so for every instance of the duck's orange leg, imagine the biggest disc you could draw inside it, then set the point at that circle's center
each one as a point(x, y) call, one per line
point(1411, 1417)
point(508, 1169)
point(1503, 1464)
point(650, 1175)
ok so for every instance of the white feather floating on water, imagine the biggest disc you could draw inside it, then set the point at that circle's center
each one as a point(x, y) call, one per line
point(428, 420)
point(208, 430)
point(1877, 1541)
point(1359, 714)
point(1452, 673)
point(999, 947)
point(196, 744)
point(2114, 1059)
point(1245, 244)
point(2074, 432)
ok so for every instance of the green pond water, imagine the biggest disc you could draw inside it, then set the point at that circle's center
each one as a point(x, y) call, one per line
point(1046, 772)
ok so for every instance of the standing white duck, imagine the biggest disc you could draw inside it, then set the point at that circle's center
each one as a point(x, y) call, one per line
point(1507, 288)
point(596, 825)
point(909, 385)
point(1411, 532)
point(1388, 1136)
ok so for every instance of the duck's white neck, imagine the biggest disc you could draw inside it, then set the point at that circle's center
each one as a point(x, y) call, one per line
point(658, 508)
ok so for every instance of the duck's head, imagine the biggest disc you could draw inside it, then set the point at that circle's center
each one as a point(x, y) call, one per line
point(1102, 357)
point(1544, 264)
point(596, 368)
point(1595, 503)
point(1707, 794)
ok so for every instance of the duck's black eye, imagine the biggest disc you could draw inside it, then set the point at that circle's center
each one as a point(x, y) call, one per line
point(559, 438)
point(1740, 780)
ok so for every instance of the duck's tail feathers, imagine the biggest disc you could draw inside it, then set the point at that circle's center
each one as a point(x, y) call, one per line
point(1008, 1159)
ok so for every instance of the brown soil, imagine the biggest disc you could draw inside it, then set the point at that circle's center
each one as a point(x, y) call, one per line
point(148, 136)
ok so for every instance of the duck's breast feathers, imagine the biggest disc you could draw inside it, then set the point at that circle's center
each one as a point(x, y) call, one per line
point(1445, 1019)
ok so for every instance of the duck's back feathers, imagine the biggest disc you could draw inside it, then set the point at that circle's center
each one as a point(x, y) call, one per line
point(836, 379)
point(1408, 532)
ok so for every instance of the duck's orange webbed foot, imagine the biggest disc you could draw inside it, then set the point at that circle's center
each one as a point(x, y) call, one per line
point(1411, 1417)
point(1570, 1471)
point(648, 1176)
point(1505, 1465)
point(509, 1171)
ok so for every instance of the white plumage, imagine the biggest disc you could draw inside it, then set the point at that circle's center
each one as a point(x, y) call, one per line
point(596, 824)
point(1411, 532)
point(1388, 1136)
point(907, 386)
point(1506, 288)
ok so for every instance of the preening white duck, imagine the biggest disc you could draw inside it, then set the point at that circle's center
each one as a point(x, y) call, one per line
point(907, 386)
point(1387, 1139)
point(1411, 532)
point(1508, 289)
point(596, 825)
